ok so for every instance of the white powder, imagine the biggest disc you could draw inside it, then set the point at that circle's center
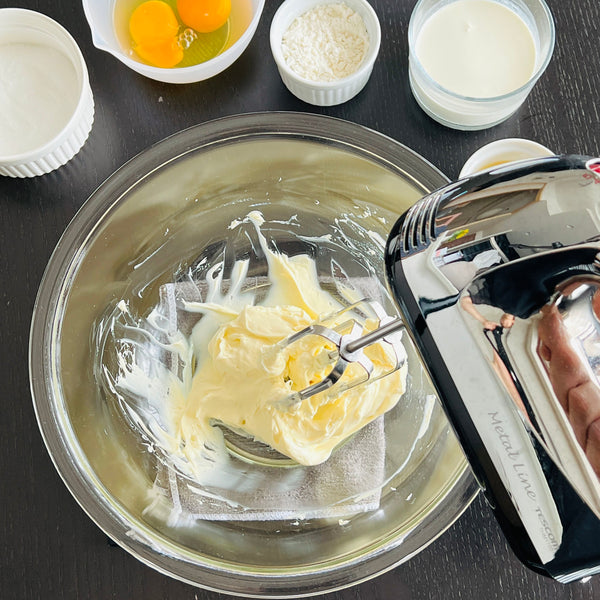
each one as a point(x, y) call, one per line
point(39, 92)
point(326, 43)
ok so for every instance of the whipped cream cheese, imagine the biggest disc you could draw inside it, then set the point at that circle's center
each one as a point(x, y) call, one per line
point(246, 376)
point(241, 375)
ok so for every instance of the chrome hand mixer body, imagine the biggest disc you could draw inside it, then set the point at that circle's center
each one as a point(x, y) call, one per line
point(497, 276)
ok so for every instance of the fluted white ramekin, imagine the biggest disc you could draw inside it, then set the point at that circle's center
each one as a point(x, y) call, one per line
point(324, 93)
point(27, 27)
point(501, 152)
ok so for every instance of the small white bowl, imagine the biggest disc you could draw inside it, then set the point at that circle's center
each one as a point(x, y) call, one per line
point(324, 93)
point(100, 17)
point(502, 152)
point(46, 105)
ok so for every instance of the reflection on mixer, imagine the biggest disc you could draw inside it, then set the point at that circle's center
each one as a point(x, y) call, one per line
point(573, 378)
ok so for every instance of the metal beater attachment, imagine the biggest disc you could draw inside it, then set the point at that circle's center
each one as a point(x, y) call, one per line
point(349, 341)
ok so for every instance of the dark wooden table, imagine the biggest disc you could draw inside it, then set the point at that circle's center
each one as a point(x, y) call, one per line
point(49, 549)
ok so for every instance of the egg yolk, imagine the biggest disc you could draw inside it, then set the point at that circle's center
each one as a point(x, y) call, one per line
point(153, 27)
point(204, 15)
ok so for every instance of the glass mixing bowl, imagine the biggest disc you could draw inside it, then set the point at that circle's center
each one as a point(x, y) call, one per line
point(152, 220)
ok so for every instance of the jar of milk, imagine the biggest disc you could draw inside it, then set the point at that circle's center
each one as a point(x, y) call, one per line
point(472, 63)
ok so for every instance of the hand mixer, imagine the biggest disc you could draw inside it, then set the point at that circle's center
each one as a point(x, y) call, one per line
point(497, 278)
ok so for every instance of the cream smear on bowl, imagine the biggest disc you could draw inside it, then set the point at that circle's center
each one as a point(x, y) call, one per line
point(477, 48)
point(199, 381)
point(230, 369)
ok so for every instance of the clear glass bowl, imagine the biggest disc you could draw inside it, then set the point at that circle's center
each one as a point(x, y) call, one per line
point(155, 216)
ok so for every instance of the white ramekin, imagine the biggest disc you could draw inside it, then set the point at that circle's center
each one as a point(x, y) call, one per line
point(27, 27)
point(324, 93)
point(501, 152)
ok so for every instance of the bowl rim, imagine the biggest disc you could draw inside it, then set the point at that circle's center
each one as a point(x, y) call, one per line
point(60, 438)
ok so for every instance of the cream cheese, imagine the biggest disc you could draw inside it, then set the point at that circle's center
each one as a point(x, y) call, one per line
point(241, 375)
point(246, 376)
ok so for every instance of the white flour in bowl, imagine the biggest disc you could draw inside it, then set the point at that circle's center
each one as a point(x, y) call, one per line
point(326, 43)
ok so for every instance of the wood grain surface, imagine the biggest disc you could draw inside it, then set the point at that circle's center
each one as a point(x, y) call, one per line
point(49, 548)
